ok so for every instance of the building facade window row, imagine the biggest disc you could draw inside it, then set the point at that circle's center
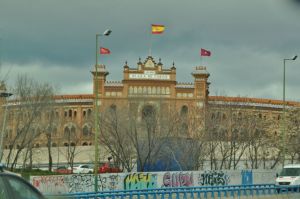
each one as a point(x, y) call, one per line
point(113, 94)
point(185, 95)
point(149, 90)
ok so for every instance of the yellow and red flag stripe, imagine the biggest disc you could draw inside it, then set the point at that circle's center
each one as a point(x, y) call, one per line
point(157, 29)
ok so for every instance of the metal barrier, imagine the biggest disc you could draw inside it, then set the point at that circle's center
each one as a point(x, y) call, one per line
point(230, 191)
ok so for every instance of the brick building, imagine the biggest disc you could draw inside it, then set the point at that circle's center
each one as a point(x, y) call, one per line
point(149, 84)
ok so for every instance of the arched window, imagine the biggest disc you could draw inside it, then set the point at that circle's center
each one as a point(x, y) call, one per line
point(70, 113)
point(212, 116)
point(86, 131)
point(140, 90)
point(73, 131)
point(154, 90)
point(85, 144)
point(75, 114)
point(240, 115)
point(66, 132)
point(144, 90)
point(113, 109)
point(149, 90)
point(89, 112)
point(224, 116)
point(148, 112)
point(163, 90)
point(184, 111)
point(167, 90)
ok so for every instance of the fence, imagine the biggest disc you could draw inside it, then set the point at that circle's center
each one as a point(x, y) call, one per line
point(205, 192)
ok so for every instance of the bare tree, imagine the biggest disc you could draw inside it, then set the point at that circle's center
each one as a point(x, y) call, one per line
point(225, 136)
point(238, 131)
point(187, 127)
point(113, 127)
point(150, 131)
point(50, 130)
point(293, 134)
point(72, 140)
point(32, 98)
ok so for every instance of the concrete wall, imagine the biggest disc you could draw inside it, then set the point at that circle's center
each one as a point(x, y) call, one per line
point(131, 181)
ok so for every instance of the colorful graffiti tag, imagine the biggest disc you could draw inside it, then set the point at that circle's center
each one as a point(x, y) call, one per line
point(140, 181)
point(213, 178)
point(180, 179)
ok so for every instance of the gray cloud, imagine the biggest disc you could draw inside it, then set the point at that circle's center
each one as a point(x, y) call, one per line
point(55, 41)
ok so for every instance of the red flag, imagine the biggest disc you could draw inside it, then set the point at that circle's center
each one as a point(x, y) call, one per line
point(104, 50)
point(204, 52)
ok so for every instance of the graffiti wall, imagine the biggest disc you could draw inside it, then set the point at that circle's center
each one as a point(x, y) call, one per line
point(76, 183)
point(132, 181)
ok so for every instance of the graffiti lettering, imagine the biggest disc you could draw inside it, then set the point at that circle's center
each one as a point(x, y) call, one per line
point(80, 183)
point(178, 179)
point(213, 178)
point(108, 183)
point(140, 181)
point(50, 184)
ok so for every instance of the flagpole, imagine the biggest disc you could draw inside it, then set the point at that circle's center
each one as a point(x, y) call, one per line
point(150, 45)
point(201, 60)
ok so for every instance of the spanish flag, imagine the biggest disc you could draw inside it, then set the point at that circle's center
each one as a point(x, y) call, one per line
point(157, 29)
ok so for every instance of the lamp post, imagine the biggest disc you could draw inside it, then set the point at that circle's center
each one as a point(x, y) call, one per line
point(105, 33)
point(5, 95)
point(284, 114)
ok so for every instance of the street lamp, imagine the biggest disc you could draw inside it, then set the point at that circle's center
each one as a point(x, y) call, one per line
point(5, 95)
point(105, 33)
point(283, 109)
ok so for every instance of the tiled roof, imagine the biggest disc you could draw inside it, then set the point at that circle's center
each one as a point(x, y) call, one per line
point(74, 98)
point(81, 96)
point(252, 101)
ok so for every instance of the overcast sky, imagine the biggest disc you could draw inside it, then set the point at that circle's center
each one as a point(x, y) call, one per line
point(54, 41)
